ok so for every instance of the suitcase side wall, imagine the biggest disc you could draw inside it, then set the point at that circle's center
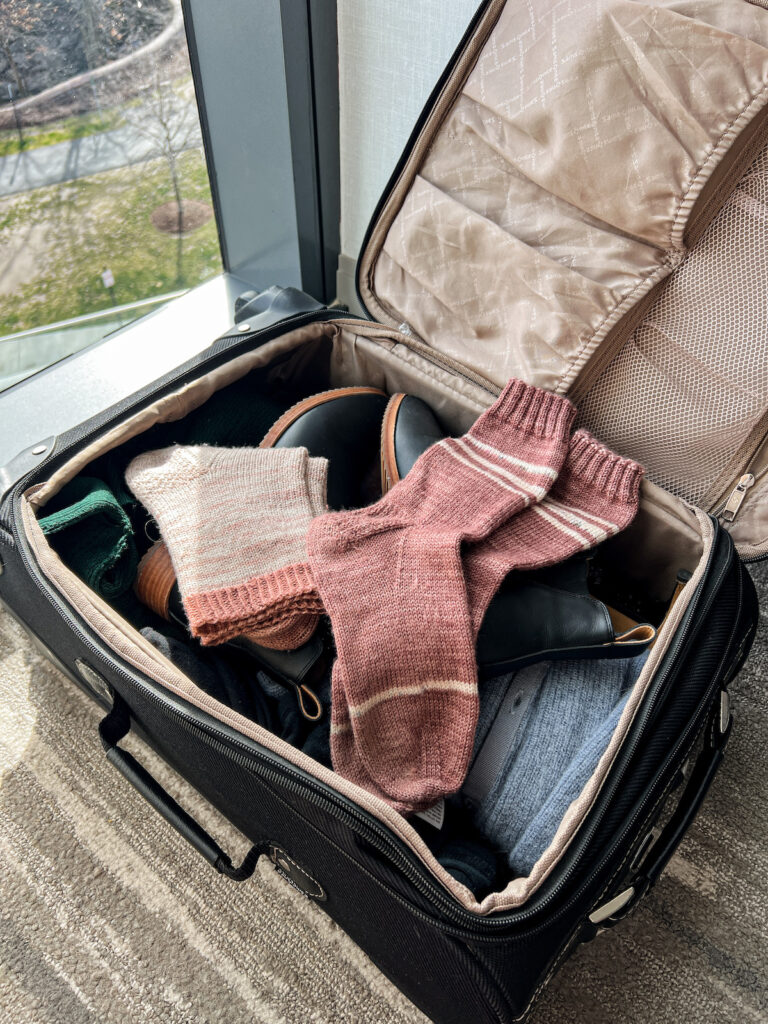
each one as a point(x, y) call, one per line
point(452, 980)
point(717, 649)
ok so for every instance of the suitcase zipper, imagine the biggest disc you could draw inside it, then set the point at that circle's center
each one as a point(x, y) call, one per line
point(432, 355)
point(733, 503)
point(180, 376)
point(721, 184)
point(366, 825)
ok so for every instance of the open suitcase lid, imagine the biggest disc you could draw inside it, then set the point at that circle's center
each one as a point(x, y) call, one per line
point(569, 160)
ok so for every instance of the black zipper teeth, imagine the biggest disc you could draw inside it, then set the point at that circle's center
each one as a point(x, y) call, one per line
point(628, 749)
point(364, 822)
point(238, 347)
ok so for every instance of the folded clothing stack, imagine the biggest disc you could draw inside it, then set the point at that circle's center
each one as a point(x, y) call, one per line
point(540, 735)
point(90, 529)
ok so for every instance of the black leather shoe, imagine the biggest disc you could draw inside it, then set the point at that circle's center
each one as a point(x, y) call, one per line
point(409, 427)
point(343, 426)
point(544, 615)
point(549, 615)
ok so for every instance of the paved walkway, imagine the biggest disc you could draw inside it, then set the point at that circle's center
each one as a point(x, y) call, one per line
point(79, 158)
point(175, 25)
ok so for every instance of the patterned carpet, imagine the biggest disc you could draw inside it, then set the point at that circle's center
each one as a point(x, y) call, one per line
point(107, 915)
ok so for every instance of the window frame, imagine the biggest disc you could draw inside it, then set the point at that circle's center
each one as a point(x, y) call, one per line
point(286, 233)
point(303, 56)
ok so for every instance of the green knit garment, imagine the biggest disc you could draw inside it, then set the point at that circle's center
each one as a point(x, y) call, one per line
point(92, 534)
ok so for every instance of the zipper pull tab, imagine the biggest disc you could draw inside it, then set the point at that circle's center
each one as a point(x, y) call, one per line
point(736, 497)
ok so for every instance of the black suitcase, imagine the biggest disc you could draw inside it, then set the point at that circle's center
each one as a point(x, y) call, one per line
point(360, 860)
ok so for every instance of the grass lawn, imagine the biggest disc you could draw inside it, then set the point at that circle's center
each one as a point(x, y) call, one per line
point(66, 130)
point(66, 235)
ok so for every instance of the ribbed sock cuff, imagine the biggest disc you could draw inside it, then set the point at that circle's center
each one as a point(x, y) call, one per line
point(611, 474)
point(264, 601)
point(530, 409)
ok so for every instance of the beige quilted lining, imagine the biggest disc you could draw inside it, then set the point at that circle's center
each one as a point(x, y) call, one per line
point(575, 151)
point(552, 185)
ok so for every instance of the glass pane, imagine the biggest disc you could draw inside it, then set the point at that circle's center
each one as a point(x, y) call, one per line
point(105, 206)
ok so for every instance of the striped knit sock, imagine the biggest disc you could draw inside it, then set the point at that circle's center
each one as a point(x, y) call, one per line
point(391, 579)
point(235, 521)
point(595, 497)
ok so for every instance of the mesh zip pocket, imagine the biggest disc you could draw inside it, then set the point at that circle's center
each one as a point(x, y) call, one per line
point(686, 392)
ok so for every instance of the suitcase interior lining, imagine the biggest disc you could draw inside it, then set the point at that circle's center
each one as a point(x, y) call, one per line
point(543, 208)
point(666, 536)
point(541, 199)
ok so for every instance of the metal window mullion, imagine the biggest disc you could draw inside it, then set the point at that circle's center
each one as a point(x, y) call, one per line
point(267, 88)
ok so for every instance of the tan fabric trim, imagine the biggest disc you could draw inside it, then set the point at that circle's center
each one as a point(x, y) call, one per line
point(130, 646)
point(179, 404)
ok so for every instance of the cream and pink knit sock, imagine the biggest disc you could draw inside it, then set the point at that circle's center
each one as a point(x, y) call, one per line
point(235, 521)
point(391, 579)
point(595, 497)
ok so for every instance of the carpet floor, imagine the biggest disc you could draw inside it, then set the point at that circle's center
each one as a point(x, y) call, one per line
point(107, 915)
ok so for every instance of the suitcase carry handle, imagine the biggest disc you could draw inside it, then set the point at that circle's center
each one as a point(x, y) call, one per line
point(112, 729)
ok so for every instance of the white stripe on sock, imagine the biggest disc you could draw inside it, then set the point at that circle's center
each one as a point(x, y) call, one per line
point(531, 489)
point(411, 690)
point(575, 517)
point(530, 466)
point(590, 529)
point(582, 512)
point(583, 542)
point(478, 469)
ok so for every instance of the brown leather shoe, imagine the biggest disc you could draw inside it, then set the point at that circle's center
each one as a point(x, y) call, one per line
point(409, 427)
point(156, 587)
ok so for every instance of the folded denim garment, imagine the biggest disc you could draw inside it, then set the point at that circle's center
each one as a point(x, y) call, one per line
point(540, 735)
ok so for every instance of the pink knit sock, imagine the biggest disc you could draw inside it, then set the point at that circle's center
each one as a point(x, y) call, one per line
point(594, 498)
point(391, 579)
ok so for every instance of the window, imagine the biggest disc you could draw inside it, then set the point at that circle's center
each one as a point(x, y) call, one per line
point(105, 206)
point(264, 76)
